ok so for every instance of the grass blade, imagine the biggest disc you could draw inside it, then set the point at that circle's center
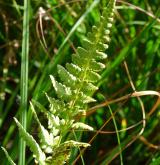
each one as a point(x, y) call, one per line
point(24, 79)
point(118, 138)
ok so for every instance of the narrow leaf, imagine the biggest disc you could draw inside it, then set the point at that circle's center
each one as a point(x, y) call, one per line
point(8, 157)
point(80, 125)
point(30, 141)
point(45, 138)
point(61, 90)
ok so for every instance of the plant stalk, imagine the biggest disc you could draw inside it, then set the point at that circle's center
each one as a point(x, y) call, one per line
point(24, 79)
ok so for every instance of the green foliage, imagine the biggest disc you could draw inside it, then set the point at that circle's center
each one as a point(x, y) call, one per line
point(8, 157)
point(74, 91)
point(34, 147)
point(155, 161)
point(53, 37)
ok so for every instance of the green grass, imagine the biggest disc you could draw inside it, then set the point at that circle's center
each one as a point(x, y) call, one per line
point(24, 80)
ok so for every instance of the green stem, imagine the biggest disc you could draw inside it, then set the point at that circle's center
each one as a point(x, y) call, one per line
point(24, 79)
point(75, 136)
point(118, 138)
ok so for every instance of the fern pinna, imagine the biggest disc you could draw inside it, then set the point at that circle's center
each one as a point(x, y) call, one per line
point(73, 93)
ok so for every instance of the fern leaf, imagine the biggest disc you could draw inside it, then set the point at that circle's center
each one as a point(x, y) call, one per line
point(8, 157)
point(86, 43)
point(72, 143)
point(88, 88)
point(62, 91)
point(92, 76)
point(83, 53)
point(80, 125)
point(73, 92)
point(35, 148)
point(79, 77)
point(91, 37)
point(73, 69)
point(45, 137)
point(66, 77)
point(80, 61)
point(84, 98)
point(100, 55)
point(57, 107)
point(96, 66)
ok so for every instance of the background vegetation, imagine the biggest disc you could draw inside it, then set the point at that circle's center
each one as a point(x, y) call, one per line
point(133, 64)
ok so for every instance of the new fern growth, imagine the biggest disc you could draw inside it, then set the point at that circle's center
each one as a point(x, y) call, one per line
point(77, 84)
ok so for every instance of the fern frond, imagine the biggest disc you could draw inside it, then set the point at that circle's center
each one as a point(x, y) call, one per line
point(79, 125)
point(67, 78)
point(30, 141)
point(72, 143)
point(79, 78)
point(8, 157)
point(56, 106)
point(46, 139)
point(62, 153)
point(62, 91)
point(73, 92)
